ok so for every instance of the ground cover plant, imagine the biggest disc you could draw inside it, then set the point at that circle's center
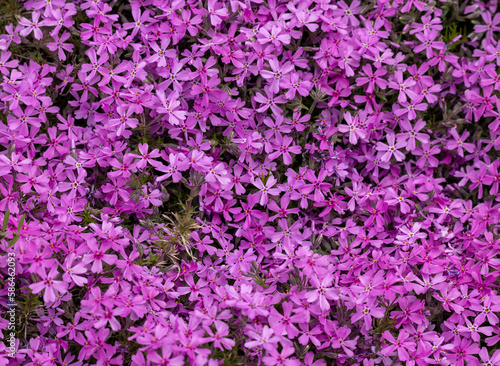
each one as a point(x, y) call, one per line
point(249, 182)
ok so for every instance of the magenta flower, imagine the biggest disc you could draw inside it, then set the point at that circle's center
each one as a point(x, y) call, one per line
point(487, 310)
point(367, 311)
point(323, 291)
point(5, 63)
point(459, 143)
point(428, 43)
point(32, 26)
point(97, 255)
point(282, 211)
point(226, 178)
point(120, 124)
point(277, 74)
point(265, 339)
point(219, 174)
point(270, 101)
point(409, 109)
point(70, 205)
point(411, 134)
point(194, 289)
point(372, 78)
point(141, 20)
point(283, 324)
point(53, 288)
point(178, 163)
point(387, 151)
point(265, 189)
point(494, 360)
point(217, 12)
point(427, 155)
point(60, 46)
point(309, 358)
point(463, 352)
point(355, 132)
point(281, 358)
point(170, 107)
point(492, 24)
point(402, 345)
point(296, 84)
point(349, 60)
point(283, 148)
point(218, 337)
point(273, 35)
point(161, 53)
point(72, 273)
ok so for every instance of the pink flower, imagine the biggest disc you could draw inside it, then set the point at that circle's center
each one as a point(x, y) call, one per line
point(270, 101)
point(60, 46)
point(352, 127)
point(218, 337)
point(170, 106)
point(265, 189)
point(387, 151)
point(309, 358)
point(53, 288)
point(372, 78)
point(459, 143)
point(367, 311)
point(281, 358)
point(277, 75)
point(274, 36)
point(283, 148)
point(263, 339)
point(323, 291)
point(428, 43)
point(217, 12)
point(72, 272)
point(97, 255)
point(32, 26)
point(161, 52)
point(402, 345)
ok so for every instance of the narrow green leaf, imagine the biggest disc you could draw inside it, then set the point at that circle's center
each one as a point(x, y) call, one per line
point(5, 220)
point(21, 222)
point(13, 241)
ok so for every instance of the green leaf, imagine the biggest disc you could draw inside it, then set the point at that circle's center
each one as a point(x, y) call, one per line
point(21, 222)
point(14, 241)
point(5, 220)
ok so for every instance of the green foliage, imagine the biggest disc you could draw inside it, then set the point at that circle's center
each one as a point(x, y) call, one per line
point(5, 226)
point(87, 217)
point(27, 306)
point(172, 238)
point(451, 32)
point(255, 274)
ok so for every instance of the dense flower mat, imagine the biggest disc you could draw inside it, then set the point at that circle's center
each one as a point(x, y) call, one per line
point(249, 182)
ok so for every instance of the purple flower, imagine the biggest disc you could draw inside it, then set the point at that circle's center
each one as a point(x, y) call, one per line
point(402, 345)
point(32, 26)
point(53, 288)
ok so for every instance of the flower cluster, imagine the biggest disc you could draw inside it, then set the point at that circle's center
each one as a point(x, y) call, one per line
point(248, 182)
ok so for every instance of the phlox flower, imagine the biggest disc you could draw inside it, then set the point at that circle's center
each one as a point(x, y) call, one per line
point(53, 288)
point(402, 345)
point(391, 148)
point(355, 132)
point(273, 35)
point(281, 358)
point(170, 106)
point(217, 12)
point(97, 255)
point(32, 26)
point(219, 336)
point(265, 339)
point(323, 291)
